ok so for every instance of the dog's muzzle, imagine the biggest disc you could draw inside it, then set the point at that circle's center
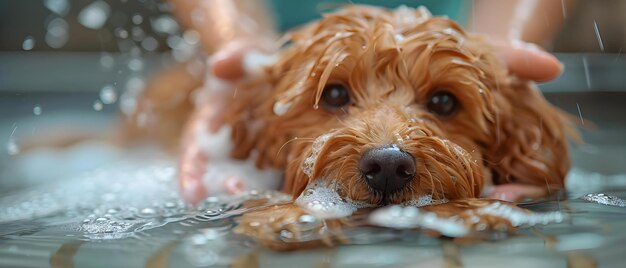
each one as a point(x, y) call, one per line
point(387, 169)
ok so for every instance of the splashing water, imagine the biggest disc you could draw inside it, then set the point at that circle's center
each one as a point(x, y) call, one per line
point(57, 33)
point(587, 73)
point(598, 36)
point(60, 7)
point(580, 114)
point(118, 201)
point(108, 94)
point(37, 110)
point(94, 15)
point(28, 43)
point(604, 199)
point(97, 105)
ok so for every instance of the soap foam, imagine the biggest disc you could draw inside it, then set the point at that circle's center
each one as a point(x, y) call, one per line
point(400, 217)
point(221, 167)
point(324, 202)
point(316, 148)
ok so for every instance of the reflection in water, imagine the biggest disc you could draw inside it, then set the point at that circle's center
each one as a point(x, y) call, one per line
point(133, 207)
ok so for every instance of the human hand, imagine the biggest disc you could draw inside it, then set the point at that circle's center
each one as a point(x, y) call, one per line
point(528, 61)
point(239, 59)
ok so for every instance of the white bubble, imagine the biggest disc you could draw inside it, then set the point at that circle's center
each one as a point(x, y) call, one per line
point(12, 147)
point(107, 61)
point(121, 33)
point(60, 7)
point(309, 163)
point(108, 94)
point(149, 44)
point(94, 15)
point(138, 33)
point(28, 43)
point(173, 41)
point(192, 37)
point(37, 109)
point(135, 84)
point(128, 100)
point(57, 33)
point(164, 24)
point(147, 212)
point(324, 202)
point(137, 19)
point(135, 65)
point(97, 105)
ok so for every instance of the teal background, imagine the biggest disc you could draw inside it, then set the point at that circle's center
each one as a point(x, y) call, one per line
point(291, 13)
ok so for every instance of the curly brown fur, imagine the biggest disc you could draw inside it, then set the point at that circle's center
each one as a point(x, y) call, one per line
point(504, 131)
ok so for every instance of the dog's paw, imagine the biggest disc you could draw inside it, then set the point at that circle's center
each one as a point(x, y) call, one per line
point(288, 226)
point(464, 218)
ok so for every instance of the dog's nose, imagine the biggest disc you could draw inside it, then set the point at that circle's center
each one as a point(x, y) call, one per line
point(387, 168)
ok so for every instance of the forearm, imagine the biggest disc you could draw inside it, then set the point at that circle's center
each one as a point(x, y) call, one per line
point(221, 21)
point(534, 21)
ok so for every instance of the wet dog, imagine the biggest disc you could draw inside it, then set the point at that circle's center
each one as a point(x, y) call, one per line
point(369, 107)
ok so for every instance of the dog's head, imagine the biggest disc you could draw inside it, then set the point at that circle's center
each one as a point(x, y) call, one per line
point(391, 106)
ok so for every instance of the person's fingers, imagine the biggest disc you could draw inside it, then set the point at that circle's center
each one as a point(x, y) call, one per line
point(528, 61)
point(191, 169)
point(234, 185)
point(238, 58)
point(227, 64)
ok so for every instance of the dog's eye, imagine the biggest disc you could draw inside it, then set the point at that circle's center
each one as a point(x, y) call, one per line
point(443, 103)
point(334, 97)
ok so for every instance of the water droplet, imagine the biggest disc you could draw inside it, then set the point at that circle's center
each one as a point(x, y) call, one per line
point(215, 199)
point(28, 43)
point(164, 24)
point(57, 33)
point(97, 105)
point(587, 73)
point(286, 234)
point(149, 44)
point(94, 15)
point(147, 212)
point(138, 33)
point(598, 36)
point(112, 211)
point(37, 109)
point(135, 65)
point(121, 33)
point(137, 19)
point(306, 219)
point(60, 7)
point(12, 147)
point(309, 192)
point(107, 61)
point(108, 94)
point(192, 37)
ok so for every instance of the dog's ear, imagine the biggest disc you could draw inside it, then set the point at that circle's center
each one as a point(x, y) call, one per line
point(529, 138)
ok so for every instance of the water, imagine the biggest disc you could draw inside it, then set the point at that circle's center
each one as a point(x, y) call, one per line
point(131, 209)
